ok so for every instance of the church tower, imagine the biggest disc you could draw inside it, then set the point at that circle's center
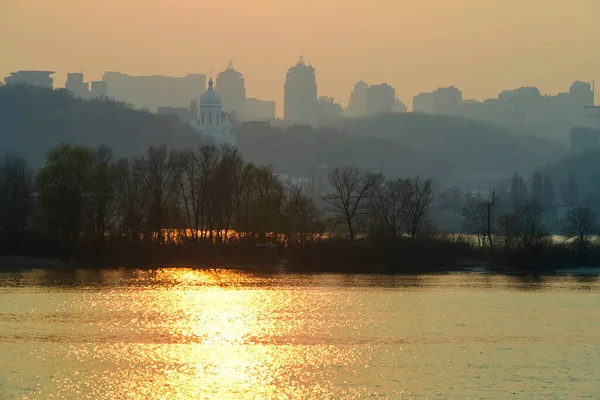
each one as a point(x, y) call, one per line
point(209, 117)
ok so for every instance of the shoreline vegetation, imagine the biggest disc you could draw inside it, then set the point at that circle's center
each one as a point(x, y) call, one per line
point(208, 207)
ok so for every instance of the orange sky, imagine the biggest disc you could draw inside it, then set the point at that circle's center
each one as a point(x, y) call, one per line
point(481, 46)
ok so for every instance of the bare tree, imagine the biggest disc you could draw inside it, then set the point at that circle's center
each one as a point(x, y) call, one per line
point(531, 230)
point(132, 202)
point(418, 197)
point(102, 193)
point(62, 185)
point(580, 224)
point(389, 203)
point(160, 170)
point(299, 215)
point(197, 170)
point(474, 219)
point(480, 218)
point(349, 197)
point(508, 230)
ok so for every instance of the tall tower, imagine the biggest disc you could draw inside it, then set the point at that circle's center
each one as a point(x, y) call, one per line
point(300, 94)
point(232, 88)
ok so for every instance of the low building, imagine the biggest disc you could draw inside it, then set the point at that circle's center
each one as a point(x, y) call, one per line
point(76, 85)
point(31, 78)
point(99, 89)
point(259, 110)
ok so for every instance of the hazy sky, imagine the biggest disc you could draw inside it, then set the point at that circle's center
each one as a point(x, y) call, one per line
point(481, 46)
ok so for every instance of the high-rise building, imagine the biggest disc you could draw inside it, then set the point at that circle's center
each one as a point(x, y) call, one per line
point(357, 106)
point(300, 94)
point(259, 110)
point(99, 89)
point(31, 78)
point(154, 91)
point(447, 100)
point(380, 99)
point(76, 85)
point(232, 88)
point(328, 109)
point(423, 103)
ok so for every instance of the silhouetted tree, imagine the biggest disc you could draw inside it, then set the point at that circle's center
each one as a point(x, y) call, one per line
point(580, 225)
point(531, 230)
point(388, 201)
point(102, 187)
point(508, 231)
point(61, 186)
point(159, 170)
point(418, 198)
point(300, 215)
point(349, 196)
point(16, 201)
point(197, 171)
point(480, 218)
point(132, 202)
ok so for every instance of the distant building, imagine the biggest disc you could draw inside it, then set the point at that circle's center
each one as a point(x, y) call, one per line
point(399, 106)
point(232, 88)
point(213, 125)
point(584, 139)
point(151, 92)
point(300, 94)
point(380, 99)
point(328, 109)
point(357, 105)
point(31, 78)
point(423, 103)
point(447, 101)
point(99, 89)
point(76, 85)
point(259, 110)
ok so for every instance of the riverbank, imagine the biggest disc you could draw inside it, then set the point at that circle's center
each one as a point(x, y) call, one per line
point(432, 254)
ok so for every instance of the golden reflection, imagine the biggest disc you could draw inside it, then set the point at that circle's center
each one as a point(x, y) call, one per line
point(226, 334)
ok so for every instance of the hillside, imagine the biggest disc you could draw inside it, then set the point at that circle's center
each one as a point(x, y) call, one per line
point(33, 120)
point(450, 149)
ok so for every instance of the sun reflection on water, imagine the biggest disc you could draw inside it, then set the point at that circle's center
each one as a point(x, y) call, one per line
point(203, 335)
point(225, 334)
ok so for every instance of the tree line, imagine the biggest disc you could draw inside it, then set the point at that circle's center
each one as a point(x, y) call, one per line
point(85, 198)
point(86, 202)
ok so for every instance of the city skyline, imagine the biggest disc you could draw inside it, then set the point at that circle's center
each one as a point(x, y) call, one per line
point(483, 49)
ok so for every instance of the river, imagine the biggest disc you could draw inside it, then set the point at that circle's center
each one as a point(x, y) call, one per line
point(225, 334)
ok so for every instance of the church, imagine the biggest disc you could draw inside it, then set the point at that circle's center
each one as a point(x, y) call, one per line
point(213, 125)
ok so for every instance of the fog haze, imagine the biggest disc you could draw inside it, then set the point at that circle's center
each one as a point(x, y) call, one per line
point(482, 47)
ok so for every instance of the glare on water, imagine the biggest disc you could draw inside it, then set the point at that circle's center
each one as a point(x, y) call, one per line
point(223, 334)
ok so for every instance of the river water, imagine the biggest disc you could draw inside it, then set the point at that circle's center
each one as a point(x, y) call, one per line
point(223, 334)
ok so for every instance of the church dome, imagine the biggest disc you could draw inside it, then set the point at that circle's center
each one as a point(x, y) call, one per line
point(210, 97)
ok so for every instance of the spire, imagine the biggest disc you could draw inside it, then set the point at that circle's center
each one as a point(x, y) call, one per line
point(301, 60)
point(210, 81)
point(230, 65)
